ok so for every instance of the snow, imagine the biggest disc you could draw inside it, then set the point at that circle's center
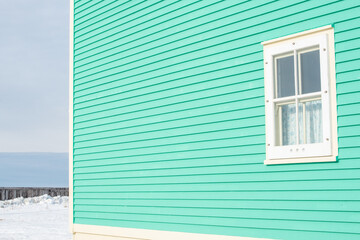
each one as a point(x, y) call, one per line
point(36, 218)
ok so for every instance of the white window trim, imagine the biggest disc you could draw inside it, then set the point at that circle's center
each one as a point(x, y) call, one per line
point(302, 153)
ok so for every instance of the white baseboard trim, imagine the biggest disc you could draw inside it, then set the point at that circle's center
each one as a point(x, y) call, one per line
point(92, 232)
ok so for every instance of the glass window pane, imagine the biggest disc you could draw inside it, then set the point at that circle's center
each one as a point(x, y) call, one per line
point(313, 121)
point(286, 122)
point(310, 72)
point(302, 137)
point(285, 82)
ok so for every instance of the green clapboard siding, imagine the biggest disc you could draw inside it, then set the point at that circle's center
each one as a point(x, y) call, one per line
point(169, 125)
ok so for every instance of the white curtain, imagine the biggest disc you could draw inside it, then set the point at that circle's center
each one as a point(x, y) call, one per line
point(313, 123)
point(301, 123)
point(288, 124)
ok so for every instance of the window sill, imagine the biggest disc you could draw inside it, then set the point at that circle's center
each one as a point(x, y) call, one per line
point(300, 160)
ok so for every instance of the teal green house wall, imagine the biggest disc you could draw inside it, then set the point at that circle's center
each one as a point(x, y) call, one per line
point(169, 120)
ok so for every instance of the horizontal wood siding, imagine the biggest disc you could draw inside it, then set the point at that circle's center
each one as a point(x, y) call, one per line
point(169, 125)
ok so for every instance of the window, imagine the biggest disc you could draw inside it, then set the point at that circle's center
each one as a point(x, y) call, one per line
point(300, 99)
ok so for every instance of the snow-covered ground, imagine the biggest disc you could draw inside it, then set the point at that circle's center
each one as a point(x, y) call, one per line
point(38, 218)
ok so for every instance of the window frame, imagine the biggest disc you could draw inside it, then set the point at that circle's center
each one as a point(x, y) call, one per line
point(322, 38)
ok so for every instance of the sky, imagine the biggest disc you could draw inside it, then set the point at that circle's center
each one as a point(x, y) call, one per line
point(34, 170)
point(34, 66)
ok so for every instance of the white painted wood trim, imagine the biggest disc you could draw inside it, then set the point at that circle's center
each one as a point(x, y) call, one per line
point(277, 45)
point(300, 160)
point(71, 85)
point(144, 234)
point(332, 89)
point(85, 236)
point(296, 35)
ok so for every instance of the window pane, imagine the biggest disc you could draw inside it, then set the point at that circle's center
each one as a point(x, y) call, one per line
point(310, 122)
point(285, 81)
point(287, 124)
point(310, 72)
point(313, 121)
point(302, 136)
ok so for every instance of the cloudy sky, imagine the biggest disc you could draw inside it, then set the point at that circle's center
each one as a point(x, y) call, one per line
point(34, 75)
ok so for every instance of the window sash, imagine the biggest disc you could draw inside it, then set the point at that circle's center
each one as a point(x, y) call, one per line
point(299, 97)
point(305, 117)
